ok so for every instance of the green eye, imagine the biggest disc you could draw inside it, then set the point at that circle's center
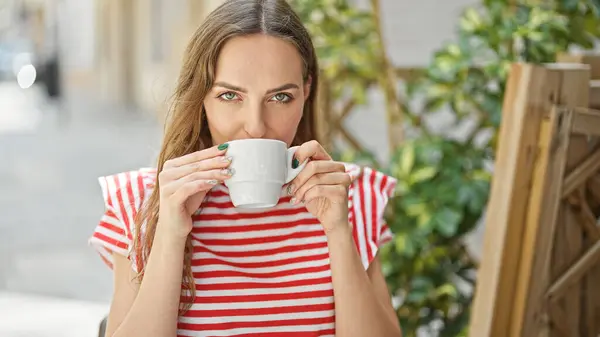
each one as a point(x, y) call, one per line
point(228, 96)
point(282, 98)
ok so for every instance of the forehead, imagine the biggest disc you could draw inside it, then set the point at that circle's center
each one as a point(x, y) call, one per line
point(259, 60)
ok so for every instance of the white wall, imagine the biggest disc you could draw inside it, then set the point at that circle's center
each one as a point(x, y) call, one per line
point(155, 64)
point(413, 29)
point(77, 32)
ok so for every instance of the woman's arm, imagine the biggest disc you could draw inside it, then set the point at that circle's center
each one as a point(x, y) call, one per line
point(360, 307)
point(150, 308)
point(362, 302)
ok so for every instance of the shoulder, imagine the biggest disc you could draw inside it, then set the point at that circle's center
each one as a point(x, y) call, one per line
point(376, 182)
point(127, 189)
point(124, 194)
point(368, 197)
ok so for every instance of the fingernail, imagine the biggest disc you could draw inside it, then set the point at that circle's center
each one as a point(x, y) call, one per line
point(295, 163)
point(223, 146)
point(290, 189)
point(226, 159)
point(294, 201)
point(213, 182)
point(228, 171)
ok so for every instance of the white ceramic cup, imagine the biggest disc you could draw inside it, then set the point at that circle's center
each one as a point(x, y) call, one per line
point(260, 169)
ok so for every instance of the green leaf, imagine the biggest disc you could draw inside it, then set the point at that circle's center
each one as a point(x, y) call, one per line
point(570, 4)
point(481, 175)
point(447, 221)
point(415, 210)
point(403, 244)
point(407, 159)
point(423, 174)
point(416, 296)
point(421, 282)
point(424, 222)
point(454, 50)
point(359, 93)
point(465, 194)
point(402, 188)
point(470, 20)
point(447, 289)
point(434, 104)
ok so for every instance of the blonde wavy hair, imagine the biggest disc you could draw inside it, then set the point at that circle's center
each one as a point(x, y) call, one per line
point(186, 127)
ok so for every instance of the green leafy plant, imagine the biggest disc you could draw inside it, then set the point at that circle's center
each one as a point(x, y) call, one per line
point(443, 180)
point(429, 264)
point(346, 42)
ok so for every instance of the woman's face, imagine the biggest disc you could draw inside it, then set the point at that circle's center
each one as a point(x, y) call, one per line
point(258, 92)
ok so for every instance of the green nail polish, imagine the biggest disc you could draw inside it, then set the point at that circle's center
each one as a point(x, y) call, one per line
point(223, 146)
point(228, 171)
point(295, 163)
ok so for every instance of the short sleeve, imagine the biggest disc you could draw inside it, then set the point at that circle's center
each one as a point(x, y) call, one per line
point(123, 194)
point(368, 197)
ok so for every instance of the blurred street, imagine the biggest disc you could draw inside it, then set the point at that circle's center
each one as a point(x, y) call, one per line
point(50, 201)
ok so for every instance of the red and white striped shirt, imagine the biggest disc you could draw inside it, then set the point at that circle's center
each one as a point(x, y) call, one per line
point(258, 272)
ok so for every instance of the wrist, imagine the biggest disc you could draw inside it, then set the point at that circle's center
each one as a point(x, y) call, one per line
point(339, 230)
point(166, 237)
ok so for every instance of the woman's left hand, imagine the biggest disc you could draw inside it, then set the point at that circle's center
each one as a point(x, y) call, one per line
point(322, 186)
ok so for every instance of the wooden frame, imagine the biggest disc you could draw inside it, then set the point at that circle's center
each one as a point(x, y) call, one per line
point(537, 149)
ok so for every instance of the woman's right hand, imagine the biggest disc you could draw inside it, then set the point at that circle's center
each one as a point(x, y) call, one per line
point(183, 184)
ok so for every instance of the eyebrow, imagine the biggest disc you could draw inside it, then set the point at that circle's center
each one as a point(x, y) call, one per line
point(286, 86)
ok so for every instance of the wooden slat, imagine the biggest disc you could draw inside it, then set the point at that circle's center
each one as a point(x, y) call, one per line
point(591, 294)
point(346, 110)
point(388, 81)
point(568, 243)
point(590, 219)
point(568, 236)
point(593, 190)
point(586, 122)
point(590, 58)
point(409, 73)
point(526, 99)
point(557, 322)
point(578, 176)
point(323, 116)
point(350, 139)
point(575, 273)
point(536, 209)
point(535, 260)
point(595, 94)
point(585, 216)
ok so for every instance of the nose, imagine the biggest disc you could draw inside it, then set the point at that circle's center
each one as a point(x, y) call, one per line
point(254, 124)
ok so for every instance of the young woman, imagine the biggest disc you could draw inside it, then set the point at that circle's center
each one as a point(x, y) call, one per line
point(186, 262)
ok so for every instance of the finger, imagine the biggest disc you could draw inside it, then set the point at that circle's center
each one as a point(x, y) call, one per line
point(337, 194)
point(219, 162)
point(213, 176)
point(196, 156)
point(311, 150)
point(313, 168)
point(322, 179)
point(191, 188)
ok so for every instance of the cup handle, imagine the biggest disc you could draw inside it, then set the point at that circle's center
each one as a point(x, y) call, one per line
point(292, 173)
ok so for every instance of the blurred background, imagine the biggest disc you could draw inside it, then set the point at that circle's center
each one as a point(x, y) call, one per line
point(84, 86)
